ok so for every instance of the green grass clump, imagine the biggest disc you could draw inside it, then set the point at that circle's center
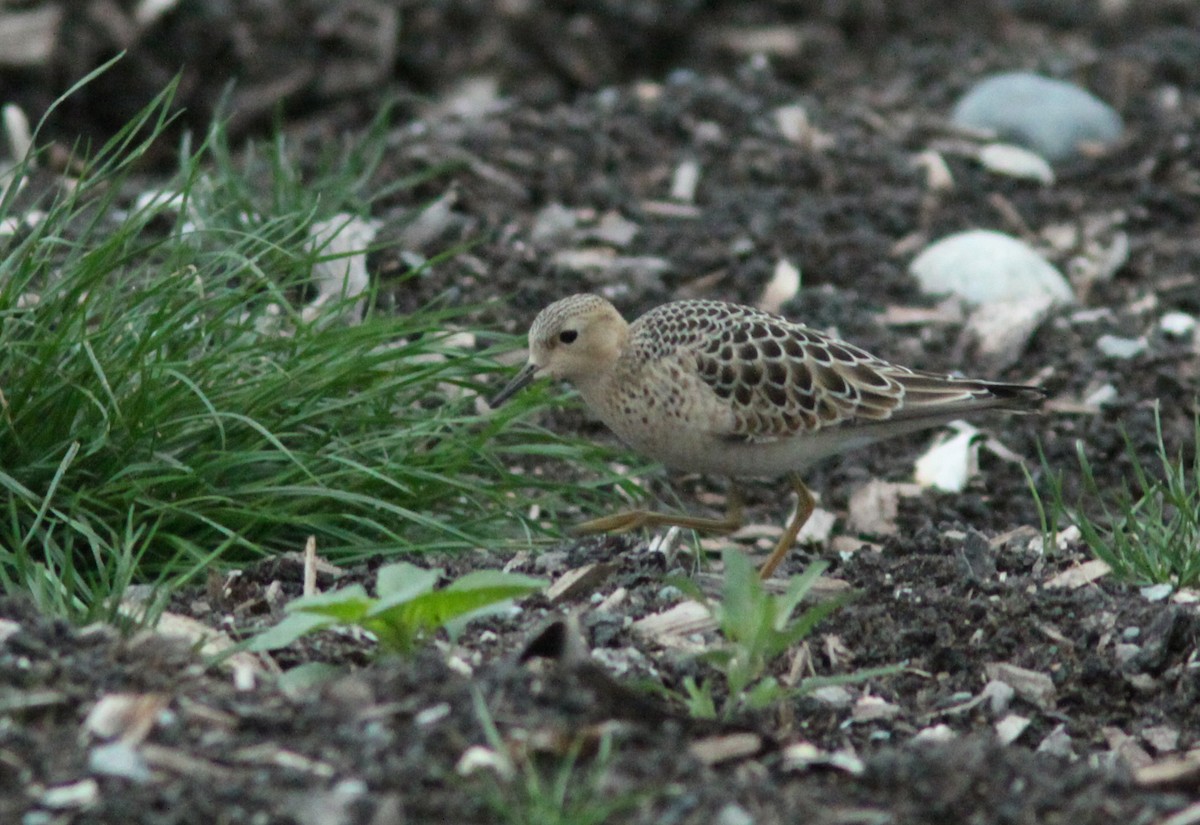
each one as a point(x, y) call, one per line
point(568, 789)
point(163, 404)
point(1147, 531)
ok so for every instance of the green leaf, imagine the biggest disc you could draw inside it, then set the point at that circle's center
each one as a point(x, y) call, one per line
point(304, 678)
point(401, 581)
point(700, 702)
point(766, 692)
point(798, 588)
point(398, 626)
point(291, 628)
point(432, 610)
point(480, 579)
point(346, 604)
point(743, 600)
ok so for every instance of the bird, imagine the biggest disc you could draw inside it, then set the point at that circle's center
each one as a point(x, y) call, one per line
point(710, 387)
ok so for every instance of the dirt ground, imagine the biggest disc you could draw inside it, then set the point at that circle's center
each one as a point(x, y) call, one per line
point(593, 108)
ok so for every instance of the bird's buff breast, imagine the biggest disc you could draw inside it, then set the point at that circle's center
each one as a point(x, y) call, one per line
point(684, 428)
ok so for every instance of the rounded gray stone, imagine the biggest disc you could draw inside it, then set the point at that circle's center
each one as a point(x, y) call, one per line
point(1051, 117)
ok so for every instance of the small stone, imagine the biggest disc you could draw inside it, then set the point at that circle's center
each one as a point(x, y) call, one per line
point(951, 462)
point(733, 814)
point(999, 695)
point(938, 177)
point(552, 224)
point(1124, 652)
point(715, 750)
point(985, 267)
point(685, 181)
point(872, 708)
point(1157, 592)
point(1030, 685)
point(1177, 324)
point(1051, 117)
point(119, 759)
point(1105, 394)
point(1057, 743)
point(82, 794)
point(1163, 738)
point(833, 695)
point(818, 528)
point(935, 734)
point(1001, 330)
point(1122, 349)
point(783, 287)
point(613, 229)
point(792, 122)
point(1010, 728)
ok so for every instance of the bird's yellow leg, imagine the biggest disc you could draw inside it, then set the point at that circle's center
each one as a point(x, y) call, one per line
point(804, 509)
point(641, 519)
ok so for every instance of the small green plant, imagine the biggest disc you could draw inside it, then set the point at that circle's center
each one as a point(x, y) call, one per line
point(1147, 532)
point(562, 792)
point(406, 609)
point(757, 626)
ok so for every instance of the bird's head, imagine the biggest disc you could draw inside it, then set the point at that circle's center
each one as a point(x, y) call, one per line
point(575, 339)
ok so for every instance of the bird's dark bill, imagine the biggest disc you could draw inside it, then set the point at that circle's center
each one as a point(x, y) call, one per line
point(522, 380)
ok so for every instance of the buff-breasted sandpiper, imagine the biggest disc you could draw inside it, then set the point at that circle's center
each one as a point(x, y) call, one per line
point(713, 387)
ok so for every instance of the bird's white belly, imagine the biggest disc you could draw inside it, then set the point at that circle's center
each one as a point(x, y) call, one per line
point(697, 452)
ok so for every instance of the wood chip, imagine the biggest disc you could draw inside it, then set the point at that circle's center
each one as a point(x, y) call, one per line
point(1000, 331)
point(717, 749)
point(947, 313)
point(182, 763)
point(1010, 728)
point(873, 708)
point(1170, 773)
point(800, 756)
point(1188, 816)
point(1030, 685)
point(271, 754)
point(783, 287)
point(1163, 738)
point(873, 507)
point(753, 532)
point(129, 716)
point(777, 40)
point(209, 641)
point(667, 209)
point(1126, 748)
point(685, 181)
point(613, 600)
point(671, 627)
point(818, 528)
point(310, 566)
point(27, 37)
point(582, 581)
point(1076, 577)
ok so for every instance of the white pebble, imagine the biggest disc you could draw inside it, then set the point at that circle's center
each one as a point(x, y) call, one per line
point(1016, 162)
point(1121, 348)
point(985, 267)
point(1177, 323)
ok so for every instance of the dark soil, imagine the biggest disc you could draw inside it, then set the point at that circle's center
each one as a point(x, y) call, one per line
point(598, 105)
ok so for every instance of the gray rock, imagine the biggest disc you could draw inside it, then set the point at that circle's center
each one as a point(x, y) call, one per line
point(1051, 117)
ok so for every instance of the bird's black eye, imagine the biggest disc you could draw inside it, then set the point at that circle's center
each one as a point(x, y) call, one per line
point(568, 336)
